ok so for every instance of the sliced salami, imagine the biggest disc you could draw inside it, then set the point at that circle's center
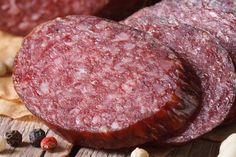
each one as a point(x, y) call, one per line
point(199, 17)
point(225, 9)
point(226, 6)
point(102, 84)
point(211, 63)
point(21, 16)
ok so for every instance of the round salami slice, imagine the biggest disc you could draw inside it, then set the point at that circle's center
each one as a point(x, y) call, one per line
point(227, 6)
point(21, 16)
point(211, 63)
point(102, 84)
point(208, 20)
point(224, 9)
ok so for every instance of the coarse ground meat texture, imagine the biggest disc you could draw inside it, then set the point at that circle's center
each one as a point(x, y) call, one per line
point(225, 9)
point(225, 6)
point(102, 84)
point(199, 17)
point(21, 16)
point(221, 9)
point(211, 63)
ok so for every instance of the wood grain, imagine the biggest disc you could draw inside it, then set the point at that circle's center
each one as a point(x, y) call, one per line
point(197, 148)
point(26, 150)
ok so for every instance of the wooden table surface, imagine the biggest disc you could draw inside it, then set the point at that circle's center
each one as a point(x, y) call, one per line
point(197, 148)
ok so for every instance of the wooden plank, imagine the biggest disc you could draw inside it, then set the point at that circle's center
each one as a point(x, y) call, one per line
point(25, 126)
point(197, 148)
point(194, 149)
point(88, 152)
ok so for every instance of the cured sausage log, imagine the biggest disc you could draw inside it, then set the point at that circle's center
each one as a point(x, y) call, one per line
point(20, 17)
point(210, 61)
point(102, 84)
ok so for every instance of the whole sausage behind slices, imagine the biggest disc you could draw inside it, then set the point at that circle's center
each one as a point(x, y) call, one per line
point(21, 16)
point(211, 62)
point(102, 84)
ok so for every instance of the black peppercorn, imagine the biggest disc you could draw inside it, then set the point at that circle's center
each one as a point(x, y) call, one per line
point(14, 138)
point(36, 136)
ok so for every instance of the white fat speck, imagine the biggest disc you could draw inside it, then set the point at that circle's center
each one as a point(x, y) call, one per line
point(4, 7)
point(49, 107)
point(142, 110)
point(213, 14)
point(103, 129)
point(57, 37)
point(115, 125)
point(126, 60)
point(44, 44)
point(75, 37)
point(54, 117)
point(78, 121)
point(57, 61)
point(44, 88)
point(84, 27)
point(126, 88)
point(118, 108)
point(35, 17)
point(86, 89)
point(171, 56)
point(129, 46)
point(122, 36)
point(101, 25)
point(194, 18)
point(221, 35)
point(80, 73)
point(95, 119)
point(23, 25)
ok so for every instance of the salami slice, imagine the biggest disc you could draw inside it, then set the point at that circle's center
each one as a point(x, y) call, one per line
point(211, 63)
point(227, 10)
point(199, 17)
point(227, 6)
point(102, 84)
point(21, 16)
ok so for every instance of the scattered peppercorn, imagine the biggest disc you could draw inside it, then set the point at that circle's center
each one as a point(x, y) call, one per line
point(3, 143)
point(48, 143)
point(14, 138)
point(36, 136)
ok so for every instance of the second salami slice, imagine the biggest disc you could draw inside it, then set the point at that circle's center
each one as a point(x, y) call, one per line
point(102, 84)
point(210, 61)
point(21, 16)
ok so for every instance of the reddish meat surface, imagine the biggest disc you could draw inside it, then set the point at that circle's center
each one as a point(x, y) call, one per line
point(21, 16)
point(102, 84)
point(210, 61)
